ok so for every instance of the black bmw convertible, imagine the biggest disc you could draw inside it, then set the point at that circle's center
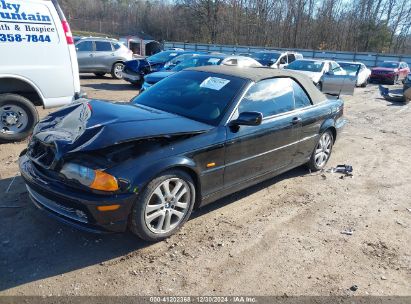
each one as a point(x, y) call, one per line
point(195, 137)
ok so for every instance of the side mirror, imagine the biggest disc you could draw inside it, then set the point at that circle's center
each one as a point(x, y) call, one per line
point(248, 119)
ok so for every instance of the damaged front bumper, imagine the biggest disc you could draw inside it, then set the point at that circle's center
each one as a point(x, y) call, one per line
point(75, 207)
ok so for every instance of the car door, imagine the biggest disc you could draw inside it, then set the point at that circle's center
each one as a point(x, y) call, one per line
point(290, 58)
point(104, 56)
point(282, 62)
point(336, 81)
point(85, 55)
point(311, 118)
point(253, 151)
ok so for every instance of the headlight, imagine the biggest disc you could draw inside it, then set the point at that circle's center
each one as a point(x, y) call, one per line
point(94, 179)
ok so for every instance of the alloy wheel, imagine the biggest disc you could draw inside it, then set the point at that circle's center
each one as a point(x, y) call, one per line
point(118, 71)
point(323, 150)
point(167, 206)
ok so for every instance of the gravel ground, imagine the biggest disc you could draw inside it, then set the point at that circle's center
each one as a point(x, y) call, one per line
point(280, 237)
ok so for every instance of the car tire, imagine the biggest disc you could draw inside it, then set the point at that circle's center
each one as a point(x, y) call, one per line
point(18, 116)
point(117, 70)
point(395, 80)
point(99, 74)
point(324, 145)
point(154, 218)
point(363, 85)
point(319, 86)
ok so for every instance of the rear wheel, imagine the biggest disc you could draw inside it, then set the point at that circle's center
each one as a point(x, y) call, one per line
point(322, 151)
point(163, 206)
point(18, 116)
point(117, 70)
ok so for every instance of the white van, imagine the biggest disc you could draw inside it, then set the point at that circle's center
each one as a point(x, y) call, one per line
point(38, 64)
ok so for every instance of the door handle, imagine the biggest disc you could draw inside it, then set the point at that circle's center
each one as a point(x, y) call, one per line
point(296, 120)
point(91, 55)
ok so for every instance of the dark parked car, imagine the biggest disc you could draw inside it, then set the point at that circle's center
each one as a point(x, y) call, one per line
point(200, 60)
point(407, 82)
point(199, 135)
point(134, 70)
point(390, 71)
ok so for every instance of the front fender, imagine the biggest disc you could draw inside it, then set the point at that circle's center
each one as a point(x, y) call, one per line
point(145, 175)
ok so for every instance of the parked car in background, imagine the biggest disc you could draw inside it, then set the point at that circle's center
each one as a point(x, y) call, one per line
point(390, 71)
point(357, 69)
point(101, 56)
point(36, 68)
point(407, 82)
point(276, 59)
point(200, 135)
point(200, 60)
point(134, 70)
point(327, 75)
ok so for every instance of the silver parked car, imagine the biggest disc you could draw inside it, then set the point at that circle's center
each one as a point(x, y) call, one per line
point(101, 56)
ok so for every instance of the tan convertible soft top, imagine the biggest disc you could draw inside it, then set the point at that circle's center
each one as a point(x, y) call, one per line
point(256, 74)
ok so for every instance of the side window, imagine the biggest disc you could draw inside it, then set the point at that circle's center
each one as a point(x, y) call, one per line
point(116, 46)
point(291, 58)
point(283, 60)
point(270, 97)
point(300, 97)
point(334, 66)
point(232, 62)
point(102, 46)
point(86, 46)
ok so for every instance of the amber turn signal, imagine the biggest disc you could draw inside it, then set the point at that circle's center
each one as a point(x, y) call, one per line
point(104, 182)
point(108, 208)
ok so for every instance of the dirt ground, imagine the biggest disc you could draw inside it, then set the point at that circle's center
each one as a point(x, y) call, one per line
point(280, 237)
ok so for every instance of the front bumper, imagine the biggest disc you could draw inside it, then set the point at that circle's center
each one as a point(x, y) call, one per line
point(75, 207)
point(382, 77)
point(132, 78)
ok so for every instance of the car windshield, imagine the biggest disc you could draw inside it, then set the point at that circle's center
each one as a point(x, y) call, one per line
point(197, 61)
point(163, 56)
point(196, 95)
point(392, 65)
point(306, 65)
point(351, 68)
point(266, 56)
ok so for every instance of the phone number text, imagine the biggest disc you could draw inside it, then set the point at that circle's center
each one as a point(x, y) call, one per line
point(24, 38)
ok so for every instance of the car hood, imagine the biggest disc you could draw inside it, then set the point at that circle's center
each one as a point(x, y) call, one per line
point(384, 69)
point(315, 76)
point(157, 76)
point(96, 124)
point(138, 65)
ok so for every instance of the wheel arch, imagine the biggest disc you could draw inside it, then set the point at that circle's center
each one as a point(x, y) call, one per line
point(329, 125)
point(184, 164)
point(14, 84)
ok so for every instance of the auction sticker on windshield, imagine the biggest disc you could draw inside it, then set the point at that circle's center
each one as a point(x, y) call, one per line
point(26, 22)
point(214, 83)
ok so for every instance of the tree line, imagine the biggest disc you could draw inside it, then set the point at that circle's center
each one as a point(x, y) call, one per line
point(347, 25)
